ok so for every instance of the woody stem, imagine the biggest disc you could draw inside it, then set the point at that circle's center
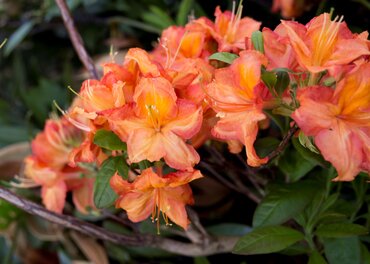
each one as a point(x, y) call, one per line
point(76, 39)
point(216, 246)
point(283, 143)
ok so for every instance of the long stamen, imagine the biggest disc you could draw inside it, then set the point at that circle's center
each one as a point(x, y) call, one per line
point(153, 115)
point(178, 49)
point(71, 120)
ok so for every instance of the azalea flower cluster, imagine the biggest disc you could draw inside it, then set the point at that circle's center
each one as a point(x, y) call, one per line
point(165, 104)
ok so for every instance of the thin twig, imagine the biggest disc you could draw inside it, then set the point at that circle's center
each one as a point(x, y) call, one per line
point(76, 39)
point(217, 245)
point(196, 232)
point(283, 143)
point(236, 187)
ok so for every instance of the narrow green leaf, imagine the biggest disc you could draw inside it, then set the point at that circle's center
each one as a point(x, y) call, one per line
point(108, 140)
point(18, 36)
point(157, 17)
point(268, 239)
point(184, 10)
point(283, 203)
point(282, 82)
point(104, 196)
point(224, 57)
point(257, 41)
point(341, 230)
point(345, 250)
point(316, 258)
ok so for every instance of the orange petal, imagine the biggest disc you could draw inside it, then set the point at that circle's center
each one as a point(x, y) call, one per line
point(250, 131)
point(316, 111)
point(188, 120)
point(83, 197)
point(141, 59)
point(138, 205)
point(54, 196)
point(119, 185)
point(178, 154)
point(343, 149)
point(40, 173)
point(156, 99)
point(172, 203)
point(145, 143)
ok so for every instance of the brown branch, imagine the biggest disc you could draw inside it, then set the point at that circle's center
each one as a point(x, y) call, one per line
point(283, 143)
point(76, 39)
point(216, 245)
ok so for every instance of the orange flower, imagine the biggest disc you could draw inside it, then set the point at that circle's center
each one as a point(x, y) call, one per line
point(323, 43)
point(48, 166)
point(151, 194)
point(237, 95)
point(178, 42)
point(229, 29)
point(158, 124)
point(339, 121)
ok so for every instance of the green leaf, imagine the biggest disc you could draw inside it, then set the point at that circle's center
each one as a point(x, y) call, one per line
point(184, 10)
point(257, 41)
point(108, 140)
point(293, 165)
point(283, 203)
point(229, 229)
point(123, 168)
point(269, 78)
point(299, 248)
point(316, 258)
point(268, 239)
point(345, 250)
point(341, 230)
point(282, 82)
point(104, 196)
point(224, 57)
point(18, 36)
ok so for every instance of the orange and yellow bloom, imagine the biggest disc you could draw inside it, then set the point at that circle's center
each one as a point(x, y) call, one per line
point(324, 44)
point(339, 121)
point(238, 96)
point(156, 195)
point(48, 167)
